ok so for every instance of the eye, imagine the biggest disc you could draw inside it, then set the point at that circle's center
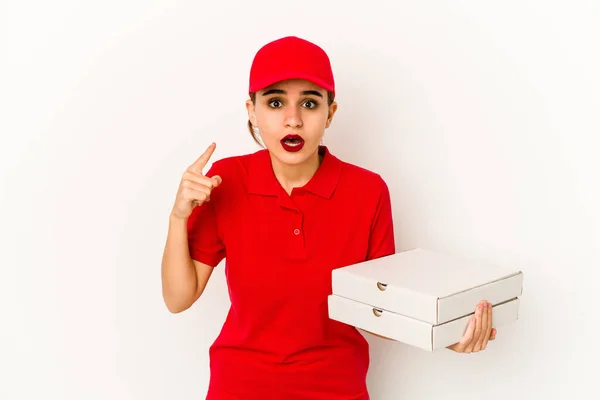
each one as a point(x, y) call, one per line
point(310, 104)
point(275, 103)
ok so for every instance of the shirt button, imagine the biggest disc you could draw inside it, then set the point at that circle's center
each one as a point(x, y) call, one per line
point(296, 231)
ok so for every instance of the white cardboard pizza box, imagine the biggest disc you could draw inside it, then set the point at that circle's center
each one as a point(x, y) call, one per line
point(426, 285)
point(412, 331)
point(422, 292)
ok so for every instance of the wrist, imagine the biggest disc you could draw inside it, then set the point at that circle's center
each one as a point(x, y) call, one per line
point(176, 219)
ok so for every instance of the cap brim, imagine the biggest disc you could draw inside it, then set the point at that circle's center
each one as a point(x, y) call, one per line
point(260, 85)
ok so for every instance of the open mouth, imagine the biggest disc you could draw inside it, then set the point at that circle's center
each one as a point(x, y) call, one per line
point(292, 142)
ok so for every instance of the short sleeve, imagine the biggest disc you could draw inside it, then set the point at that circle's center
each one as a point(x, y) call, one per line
point(205, 244)
point(381, 239)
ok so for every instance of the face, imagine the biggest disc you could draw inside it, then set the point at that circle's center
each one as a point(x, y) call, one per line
point(292, 117)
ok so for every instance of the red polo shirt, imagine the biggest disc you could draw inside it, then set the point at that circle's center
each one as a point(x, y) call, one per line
point(277, 341)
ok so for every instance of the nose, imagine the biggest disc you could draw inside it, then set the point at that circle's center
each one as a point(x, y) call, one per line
point(293, 119)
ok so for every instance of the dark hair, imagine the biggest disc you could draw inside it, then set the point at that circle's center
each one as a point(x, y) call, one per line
point(330, 98)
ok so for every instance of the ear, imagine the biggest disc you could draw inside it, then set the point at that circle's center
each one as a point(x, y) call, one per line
point(251, 112)
point(332, 110)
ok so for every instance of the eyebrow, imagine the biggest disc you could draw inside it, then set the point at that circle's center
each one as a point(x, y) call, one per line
point(279, 91)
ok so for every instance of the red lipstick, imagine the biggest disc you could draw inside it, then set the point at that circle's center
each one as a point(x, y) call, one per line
point(292, 143)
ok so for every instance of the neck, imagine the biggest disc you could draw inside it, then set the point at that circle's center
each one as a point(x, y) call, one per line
point(291, 176)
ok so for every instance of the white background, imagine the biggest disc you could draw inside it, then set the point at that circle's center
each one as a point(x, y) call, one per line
point(481, 115)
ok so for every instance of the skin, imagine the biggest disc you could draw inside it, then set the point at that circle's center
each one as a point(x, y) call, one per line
point(479, 331)
point(300, 107)
point(292, 107)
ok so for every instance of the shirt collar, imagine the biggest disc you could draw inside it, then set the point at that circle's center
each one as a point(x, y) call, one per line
point(262, 180)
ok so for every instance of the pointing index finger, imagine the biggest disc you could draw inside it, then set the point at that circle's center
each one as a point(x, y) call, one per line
point(201, 162)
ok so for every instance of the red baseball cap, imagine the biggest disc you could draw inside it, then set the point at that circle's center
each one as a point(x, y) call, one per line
point(291, 58)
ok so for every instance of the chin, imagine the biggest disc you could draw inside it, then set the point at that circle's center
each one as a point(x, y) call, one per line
point(294, 158)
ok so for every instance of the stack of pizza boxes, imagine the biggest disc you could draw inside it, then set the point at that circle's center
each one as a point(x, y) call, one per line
point(422, 298)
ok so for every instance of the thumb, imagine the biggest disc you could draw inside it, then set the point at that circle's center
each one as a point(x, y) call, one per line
point(216, 180)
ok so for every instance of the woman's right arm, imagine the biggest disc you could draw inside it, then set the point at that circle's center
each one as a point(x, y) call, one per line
point(184, 279)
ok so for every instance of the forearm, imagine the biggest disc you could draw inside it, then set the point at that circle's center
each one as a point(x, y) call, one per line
point(179, 278)
point(379, 336)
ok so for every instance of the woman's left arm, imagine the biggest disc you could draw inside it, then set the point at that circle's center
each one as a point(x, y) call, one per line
point(479, 331)
point(381, 236)
point(379, 336)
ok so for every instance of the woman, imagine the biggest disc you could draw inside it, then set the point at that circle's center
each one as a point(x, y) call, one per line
point(283, 218)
